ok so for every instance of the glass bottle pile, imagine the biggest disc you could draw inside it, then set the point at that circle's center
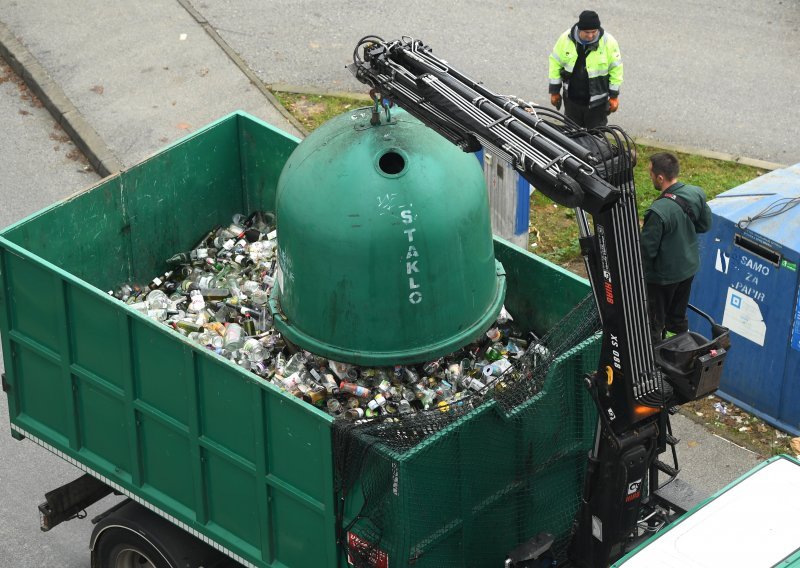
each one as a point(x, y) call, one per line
point(216, 295)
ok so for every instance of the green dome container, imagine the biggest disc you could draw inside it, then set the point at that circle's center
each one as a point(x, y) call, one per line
point(384, 244)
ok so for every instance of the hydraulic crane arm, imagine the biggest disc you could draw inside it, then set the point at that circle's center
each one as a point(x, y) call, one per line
point(593, 173)
point(471, 116)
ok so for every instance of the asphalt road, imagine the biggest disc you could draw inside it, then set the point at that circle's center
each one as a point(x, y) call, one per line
point(716, 74)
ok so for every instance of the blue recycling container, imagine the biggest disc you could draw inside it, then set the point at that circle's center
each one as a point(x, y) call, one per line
point(509, 199)
point(748, 282)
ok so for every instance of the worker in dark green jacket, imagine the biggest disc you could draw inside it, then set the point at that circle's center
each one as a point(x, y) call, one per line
point(669, 245)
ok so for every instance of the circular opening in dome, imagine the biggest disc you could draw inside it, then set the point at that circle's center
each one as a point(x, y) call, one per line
point(391, 163)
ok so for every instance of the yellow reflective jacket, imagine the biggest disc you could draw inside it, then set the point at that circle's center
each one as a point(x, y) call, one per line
point(603, 66)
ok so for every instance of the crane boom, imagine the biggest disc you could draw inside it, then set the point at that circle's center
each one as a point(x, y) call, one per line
point(591, 172)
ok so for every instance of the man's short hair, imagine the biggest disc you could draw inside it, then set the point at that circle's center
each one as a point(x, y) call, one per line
point(665, 164)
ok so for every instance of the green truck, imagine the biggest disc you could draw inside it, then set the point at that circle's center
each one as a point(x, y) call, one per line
point(219, 466)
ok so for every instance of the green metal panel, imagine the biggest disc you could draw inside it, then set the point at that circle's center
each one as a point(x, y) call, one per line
point(792, 562)
point(173, 195)
point(35, 373)
point(530, 279)
point(165, 461)
point(85, 235)
point(102, 424)
point(220, 392)
point(34, 306)
point(214, 448)
point(261, 170)
point(97, 340)
point(231, 490)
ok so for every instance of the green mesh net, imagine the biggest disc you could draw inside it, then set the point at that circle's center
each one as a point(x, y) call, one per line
point(464, 487)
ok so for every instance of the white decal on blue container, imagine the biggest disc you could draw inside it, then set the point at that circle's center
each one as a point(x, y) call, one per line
point(743, 316)
point(722, 262)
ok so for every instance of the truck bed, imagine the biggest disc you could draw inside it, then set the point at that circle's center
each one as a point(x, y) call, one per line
point(216, 450)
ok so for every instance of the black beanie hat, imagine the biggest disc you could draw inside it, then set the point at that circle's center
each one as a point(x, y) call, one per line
point(589, 20)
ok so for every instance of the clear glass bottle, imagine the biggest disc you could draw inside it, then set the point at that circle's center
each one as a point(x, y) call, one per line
point(259, 297)
point(296, 363)
point(330, 384)
point(339, 369)
point(279, 362)
point(157, 303)
point(252, 350)
point(334, 407)
point(234, 336)
point(196, 302)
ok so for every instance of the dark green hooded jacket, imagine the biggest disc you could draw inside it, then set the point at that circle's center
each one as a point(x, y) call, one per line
point(669, 237)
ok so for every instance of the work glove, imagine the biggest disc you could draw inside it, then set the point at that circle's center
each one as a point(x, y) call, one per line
point(613, 104)
point(555, 100)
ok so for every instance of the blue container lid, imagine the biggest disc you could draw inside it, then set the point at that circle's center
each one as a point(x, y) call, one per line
point(773, 190)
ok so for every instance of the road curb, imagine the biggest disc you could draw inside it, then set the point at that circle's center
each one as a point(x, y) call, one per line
point(722, 156)
point(242, 65)
point(294, 89)
point(714, 155)
point(105, 162)
point(56, 101)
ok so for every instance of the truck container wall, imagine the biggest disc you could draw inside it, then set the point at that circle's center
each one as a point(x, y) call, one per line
point(211, 447)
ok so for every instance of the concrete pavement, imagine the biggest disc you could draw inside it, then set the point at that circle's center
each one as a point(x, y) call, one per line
point(140, 75)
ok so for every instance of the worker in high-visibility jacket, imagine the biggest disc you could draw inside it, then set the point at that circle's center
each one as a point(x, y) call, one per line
point(586, 61)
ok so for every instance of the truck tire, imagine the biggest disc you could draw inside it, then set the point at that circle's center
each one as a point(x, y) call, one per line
point(124, 548)
point(130, 536)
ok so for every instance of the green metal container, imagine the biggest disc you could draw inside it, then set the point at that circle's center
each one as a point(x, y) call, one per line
point(385, 243)
point(211, 447)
